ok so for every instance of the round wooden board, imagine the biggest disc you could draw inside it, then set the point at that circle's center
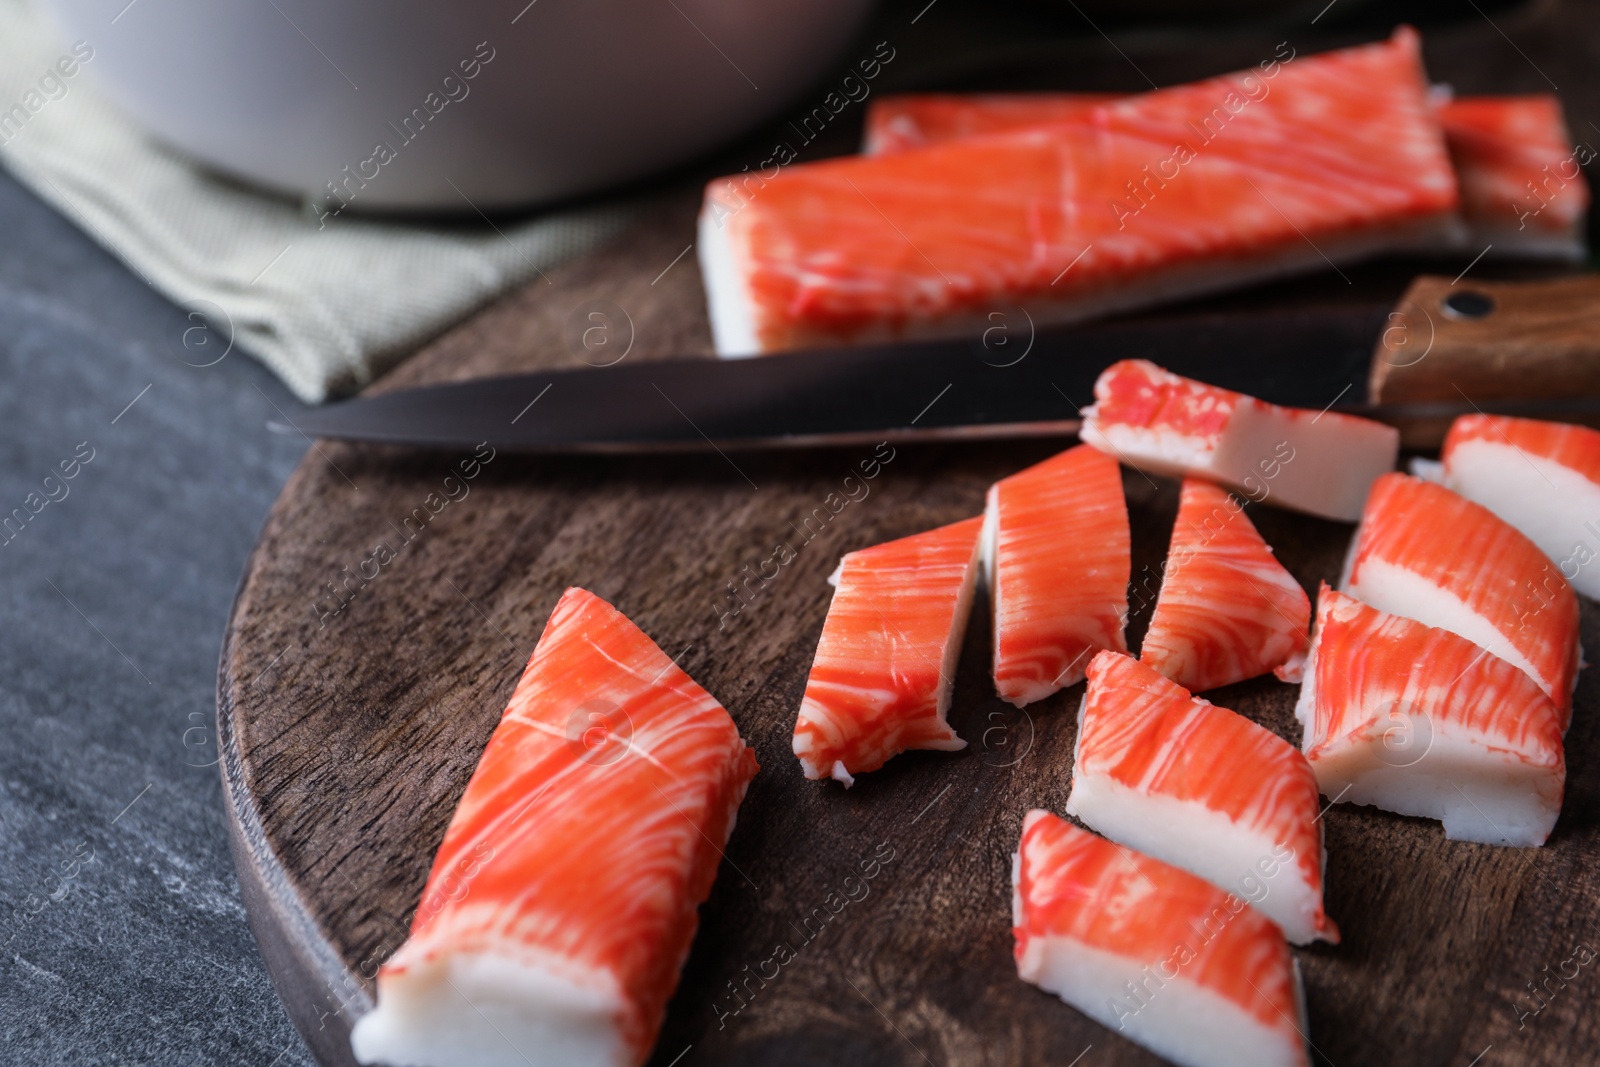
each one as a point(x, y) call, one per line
point(349, 734)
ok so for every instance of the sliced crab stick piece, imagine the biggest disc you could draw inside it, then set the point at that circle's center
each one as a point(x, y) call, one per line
point(1541, 477)
point(1432, 555)
point(1202, 788)
point(1057, 555)
point(1319, 462)
point(562, 902)
point(1417, 720)
point(1168, 960)
point(1227, 609)
point(880, 683)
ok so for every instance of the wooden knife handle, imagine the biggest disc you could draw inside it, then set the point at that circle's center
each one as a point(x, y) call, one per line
point(1477, 342)
point(1490, 341)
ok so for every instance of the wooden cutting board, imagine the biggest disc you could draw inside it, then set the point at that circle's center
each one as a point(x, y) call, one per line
point(353, 709)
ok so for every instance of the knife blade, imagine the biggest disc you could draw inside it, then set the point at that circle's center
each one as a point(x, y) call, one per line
point(1016, 383)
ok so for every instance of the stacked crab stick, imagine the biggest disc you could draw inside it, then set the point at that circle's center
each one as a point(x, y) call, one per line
point(1417, 720)
point(1202, 788)
point(1165, 958)
point(880, 683)
point(1318, 462)
point(1057, 556)
point(1521, 188)
point(1432, 555)
point(1171, 193)
point(1227, 609)
point(1541, 477)
point(561, 904)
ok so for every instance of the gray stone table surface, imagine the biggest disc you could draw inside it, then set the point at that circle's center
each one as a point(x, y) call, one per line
point(122, 937)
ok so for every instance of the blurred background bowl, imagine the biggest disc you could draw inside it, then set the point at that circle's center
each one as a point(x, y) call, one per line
point(567, 98)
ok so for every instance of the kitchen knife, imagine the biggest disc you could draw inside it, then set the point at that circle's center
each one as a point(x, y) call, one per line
point(1448, 347)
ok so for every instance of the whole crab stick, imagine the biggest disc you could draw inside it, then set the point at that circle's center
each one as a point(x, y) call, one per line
point(1522, 189)
point(562, 901)
point(1281, 168)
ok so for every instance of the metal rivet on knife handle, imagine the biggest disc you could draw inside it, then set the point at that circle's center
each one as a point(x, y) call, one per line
point(1468, 304)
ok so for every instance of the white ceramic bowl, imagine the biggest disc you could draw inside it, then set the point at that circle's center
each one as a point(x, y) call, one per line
point(372, 99)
